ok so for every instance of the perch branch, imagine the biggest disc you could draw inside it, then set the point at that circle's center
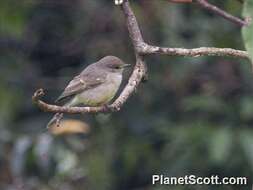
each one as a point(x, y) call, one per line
point(139, 73)
point(134, 80)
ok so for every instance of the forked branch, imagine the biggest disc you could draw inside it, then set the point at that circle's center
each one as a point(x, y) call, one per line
point(136, 77)
point(139, 72)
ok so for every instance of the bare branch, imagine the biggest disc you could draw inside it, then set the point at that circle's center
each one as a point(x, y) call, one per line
point(143, 48)
point(61, 109)
point(132, 25)
point(205, 4)
point(196, 52)
point(139, 73)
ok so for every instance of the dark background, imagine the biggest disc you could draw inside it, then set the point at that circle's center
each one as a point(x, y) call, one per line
point(194, 116)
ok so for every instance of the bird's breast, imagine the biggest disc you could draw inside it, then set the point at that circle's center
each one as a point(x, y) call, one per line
point(103, 93)
point(115, 78)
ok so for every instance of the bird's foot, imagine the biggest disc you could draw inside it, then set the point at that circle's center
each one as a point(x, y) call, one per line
point(106, 108)
point(56, 120)
point(59, 117)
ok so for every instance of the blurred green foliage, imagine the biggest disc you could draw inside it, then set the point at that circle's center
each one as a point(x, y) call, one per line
point(248, 30)
point(193, 116)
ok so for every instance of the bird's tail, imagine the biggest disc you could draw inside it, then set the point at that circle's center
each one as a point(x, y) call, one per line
point(55, 120)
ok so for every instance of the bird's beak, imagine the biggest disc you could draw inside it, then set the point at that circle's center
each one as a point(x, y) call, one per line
point(126, 65)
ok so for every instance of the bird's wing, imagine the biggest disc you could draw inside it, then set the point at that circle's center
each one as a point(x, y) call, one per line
point(84, 81)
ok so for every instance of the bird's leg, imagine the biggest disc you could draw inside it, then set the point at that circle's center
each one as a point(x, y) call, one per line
point(55, 120)
point(106, 107)
point(59, 117)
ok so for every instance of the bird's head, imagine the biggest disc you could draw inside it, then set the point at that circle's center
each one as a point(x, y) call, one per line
point(113, 64)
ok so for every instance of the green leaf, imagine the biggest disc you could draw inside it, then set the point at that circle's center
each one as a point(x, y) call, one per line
point(247, 31)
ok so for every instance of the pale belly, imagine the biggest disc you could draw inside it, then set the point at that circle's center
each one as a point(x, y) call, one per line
point(102, 94)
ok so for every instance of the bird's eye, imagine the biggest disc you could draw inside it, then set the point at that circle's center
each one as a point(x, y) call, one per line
point(117, 67)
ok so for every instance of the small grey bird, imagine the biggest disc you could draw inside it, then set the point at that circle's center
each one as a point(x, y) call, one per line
point(96, 85)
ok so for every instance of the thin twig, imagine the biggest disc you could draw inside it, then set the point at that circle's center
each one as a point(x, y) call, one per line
point(205, 4)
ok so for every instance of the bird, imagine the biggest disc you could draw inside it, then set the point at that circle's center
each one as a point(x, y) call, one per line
point(96, 85)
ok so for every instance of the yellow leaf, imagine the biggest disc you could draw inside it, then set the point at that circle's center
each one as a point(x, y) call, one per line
point(70, 126)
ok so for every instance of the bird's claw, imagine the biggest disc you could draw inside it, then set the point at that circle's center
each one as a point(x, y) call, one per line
point(106, 108)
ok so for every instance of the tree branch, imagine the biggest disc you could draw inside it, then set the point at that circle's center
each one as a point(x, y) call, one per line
point(205, 4)
point(139, 73)
point(196, 52)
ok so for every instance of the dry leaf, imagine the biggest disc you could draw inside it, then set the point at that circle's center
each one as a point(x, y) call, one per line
point(70, 126)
